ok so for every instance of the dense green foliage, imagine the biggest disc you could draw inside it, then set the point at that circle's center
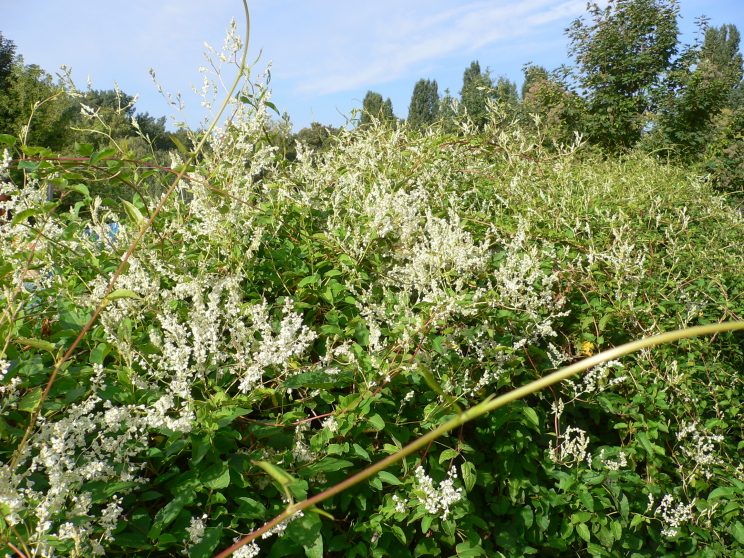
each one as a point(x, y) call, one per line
point(283, 325)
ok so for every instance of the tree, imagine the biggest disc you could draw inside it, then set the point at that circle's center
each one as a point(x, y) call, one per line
point(7, 55)
point(424, 107)
point(477, 88)
point(447, 113)
point(30, 91)
point(561, 112)
point(317, 136)
point(705, 81)
point(373, 107)
point(532, 75)
point(622, 54)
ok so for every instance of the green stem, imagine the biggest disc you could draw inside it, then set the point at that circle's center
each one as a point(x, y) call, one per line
point(482, 408)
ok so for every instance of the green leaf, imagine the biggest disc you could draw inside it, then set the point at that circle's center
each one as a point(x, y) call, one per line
point(388, 478)
point(168, 513)
point(583, 532)
point(467, 470)
point(79, 188)
point(738, 532)
point(309, 280)
point(328, 465)
point(376, 422)
point(179, 145)
point(361, 452)
point(102, 154)
point(283, 478)
point(122, 293)
point(30, 401)
point(99, 353)
point(304, 530)
point(216, 476)
point(21, 216)
point(448, 455)
point(319, 379)
point(531, 416)
point(7, 139)
point(84, 149)
point(205, 547)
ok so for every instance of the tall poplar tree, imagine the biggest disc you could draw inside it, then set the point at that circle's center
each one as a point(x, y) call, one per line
point(424, 107)
point(477, 88)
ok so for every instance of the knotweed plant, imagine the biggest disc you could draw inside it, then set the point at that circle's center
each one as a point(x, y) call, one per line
point(282, 324)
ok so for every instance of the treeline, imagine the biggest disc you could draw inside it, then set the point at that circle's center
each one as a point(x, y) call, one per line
point(632, 84)
point(51, 113)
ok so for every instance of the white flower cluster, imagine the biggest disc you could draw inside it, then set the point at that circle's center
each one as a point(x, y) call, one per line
point(571, 448)
point(673, 517)
point(620, 461)
point(597, 379)
point(437, 501)
point(196, 529)
point(250, 550)
point(700, 447)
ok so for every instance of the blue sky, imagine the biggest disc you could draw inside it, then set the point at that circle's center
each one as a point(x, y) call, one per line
point(325, 54)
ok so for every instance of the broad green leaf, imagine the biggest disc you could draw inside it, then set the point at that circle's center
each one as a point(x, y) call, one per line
point(168, 513)
point(376, 421)
point(79, 188)
point(448, 455)
point(30, 401)
point(388, 478)
point(531, 416)
point(22, 216)
point(205, 547)
point(216, 476)
point(99, 353)
point(583, 532)
point(122, 293)
point(467, 469)
point(102, 154)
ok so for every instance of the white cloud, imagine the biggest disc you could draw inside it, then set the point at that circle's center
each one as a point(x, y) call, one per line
point(390, 41)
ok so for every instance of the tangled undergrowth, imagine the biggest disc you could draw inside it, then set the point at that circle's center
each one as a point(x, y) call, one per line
point(283, 325)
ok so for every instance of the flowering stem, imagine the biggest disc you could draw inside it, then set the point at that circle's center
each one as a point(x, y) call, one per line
point(486, 406)
point(133, 246)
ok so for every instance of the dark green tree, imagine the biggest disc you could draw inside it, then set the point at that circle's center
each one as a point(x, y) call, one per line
point(447, 112)
point(705, 81)
point(373, 107)
point(623, 53)
point(316, 136)
point(154, 129)
point(532, 74)
point(560, 112)
point(477, 88)
point(31, 99)
point(424, 107)
point(7, 55)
